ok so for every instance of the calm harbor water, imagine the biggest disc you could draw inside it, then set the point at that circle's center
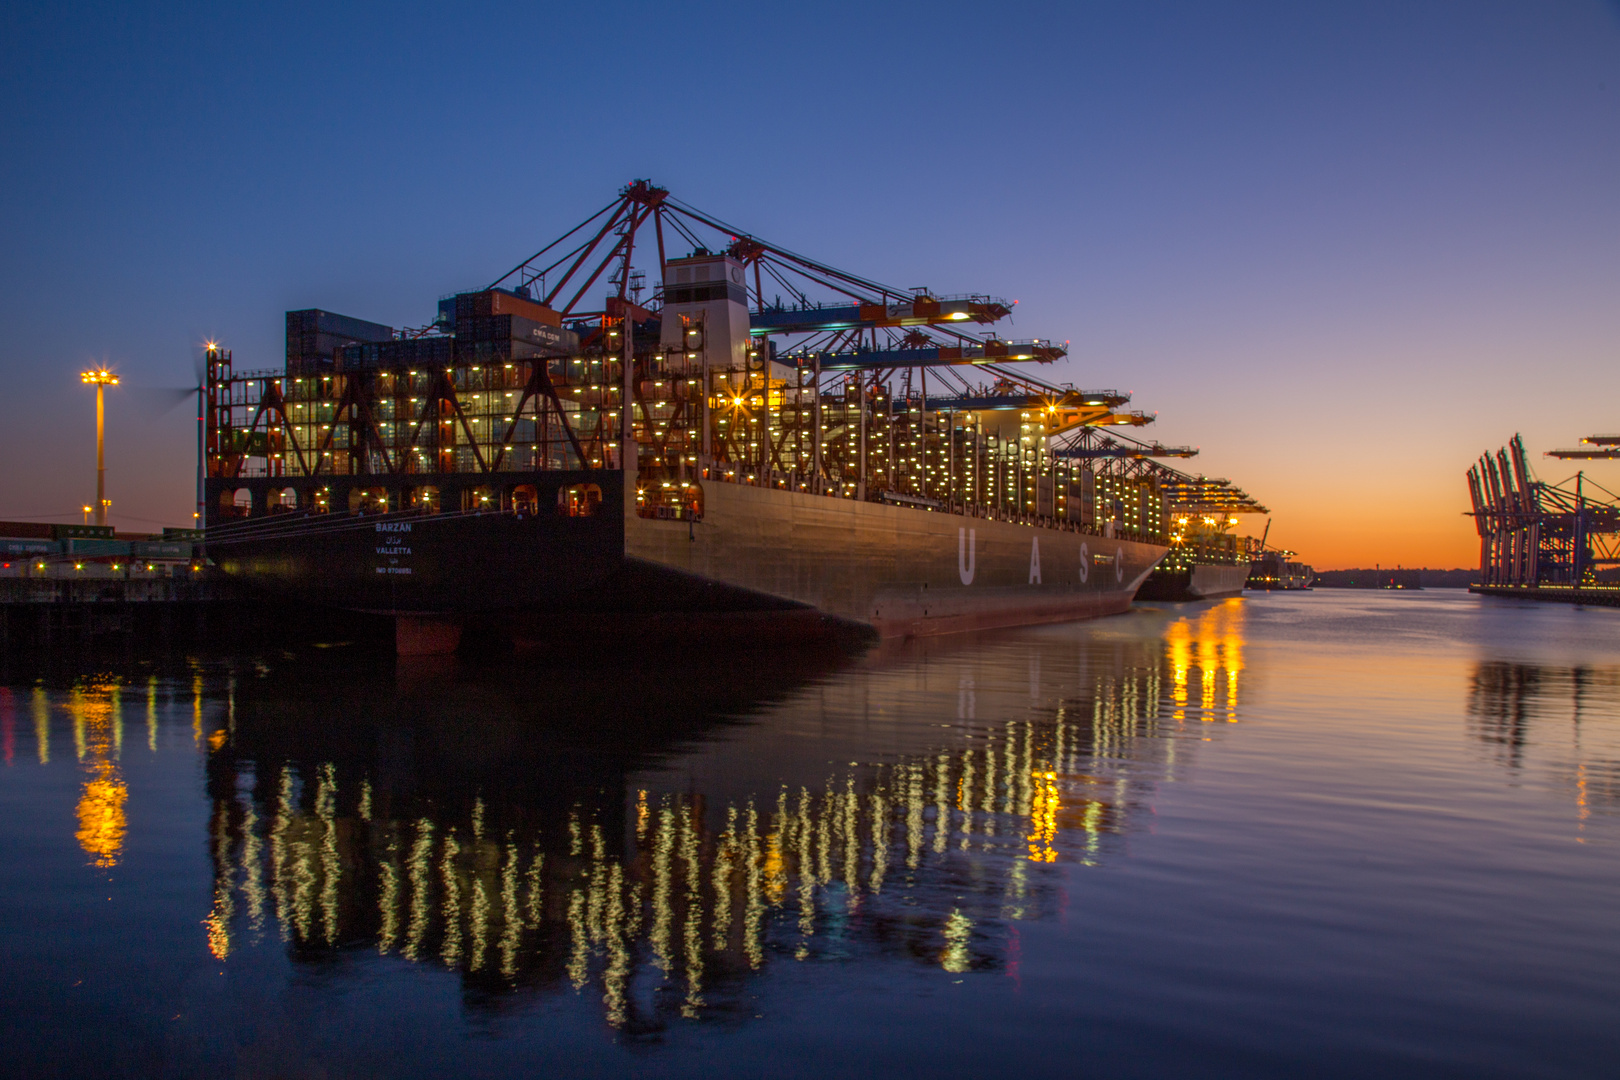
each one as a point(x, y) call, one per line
point(1332, 834)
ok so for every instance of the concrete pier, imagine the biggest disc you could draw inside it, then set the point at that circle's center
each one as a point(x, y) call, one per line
point(43, 614)
point(1558, 594)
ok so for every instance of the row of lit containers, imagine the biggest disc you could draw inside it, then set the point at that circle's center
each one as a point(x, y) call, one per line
point(94, 557)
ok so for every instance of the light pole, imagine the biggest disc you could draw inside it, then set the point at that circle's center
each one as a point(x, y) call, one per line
point(102, 378)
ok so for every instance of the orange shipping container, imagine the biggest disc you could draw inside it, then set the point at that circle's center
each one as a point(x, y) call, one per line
point(504, 303)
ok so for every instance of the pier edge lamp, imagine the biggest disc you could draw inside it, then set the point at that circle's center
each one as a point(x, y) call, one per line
point(101, 378)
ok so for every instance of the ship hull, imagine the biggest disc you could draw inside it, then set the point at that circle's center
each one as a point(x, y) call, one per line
point(902, 571)
point(1273, 572)
point(756, 557)
point(1202, 581)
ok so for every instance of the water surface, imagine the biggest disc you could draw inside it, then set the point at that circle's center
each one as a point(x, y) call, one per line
point(1324, 834)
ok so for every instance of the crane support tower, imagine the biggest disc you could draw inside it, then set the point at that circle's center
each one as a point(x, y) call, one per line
point(1550, 541)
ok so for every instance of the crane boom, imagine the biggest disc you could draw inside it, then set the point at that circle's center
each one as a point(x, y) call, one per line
point(991, 352)
point(920, 311)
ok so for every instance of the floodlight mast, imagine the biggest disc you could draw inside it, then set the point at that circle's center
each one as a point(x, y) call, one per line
point(101, 378)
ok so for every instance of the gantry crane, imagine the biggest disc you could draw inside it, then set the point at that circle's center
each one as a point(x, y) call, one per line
point(1593, 448)
point(849, 387)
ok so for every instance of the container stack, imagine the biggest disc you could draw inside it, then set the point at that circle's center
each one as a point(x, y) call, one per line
point(499, 325)
point(315, 338)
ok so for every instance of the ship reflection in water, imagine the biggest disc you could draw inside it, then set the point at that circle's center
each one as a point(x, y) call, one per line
point(631, 837)
point(1249, 838)
point(1552, 725)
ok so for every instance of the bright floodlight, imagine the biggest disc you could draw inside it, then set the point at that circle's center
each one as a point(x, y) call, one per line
point(100, 378)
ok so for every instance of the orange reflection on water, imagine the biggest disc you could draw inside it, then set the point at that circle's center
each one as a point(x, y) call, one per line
point(1043, 817)
point(102, 823)
point(98, 737)
point(1213, 643)
point(1179, 639)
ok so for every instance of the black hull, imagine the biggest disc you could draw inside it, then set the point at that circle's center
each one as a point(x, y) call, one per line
point(1204, 581)
point(758, 560)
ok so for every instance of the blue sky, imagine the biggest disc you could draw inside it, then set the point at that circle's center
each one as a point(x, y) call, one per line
point(1341, 247)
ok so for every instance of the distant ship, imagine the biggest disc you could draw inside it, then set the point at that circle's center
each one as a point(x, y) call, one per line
point(1205, 562)
point(1275, 570)
point(1196, 574)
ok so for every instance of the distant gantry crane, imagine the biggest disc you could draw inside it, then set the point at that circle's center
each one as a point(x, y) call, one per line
point(1536, 535)
point(1594, 447)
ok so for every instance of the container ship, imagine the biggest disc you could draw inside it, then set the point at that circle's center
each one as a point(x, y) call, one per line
point(1211, 565)
point(1206, 560)
point(1278, 571)
point(767, 446)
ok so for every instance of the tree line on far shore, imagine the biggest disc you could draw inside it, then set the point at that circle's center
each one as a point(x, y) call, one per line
point(1420, 578)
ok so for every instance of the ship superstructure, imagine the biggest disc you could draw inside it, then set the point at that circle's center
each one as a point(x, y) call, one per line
point(797, 438)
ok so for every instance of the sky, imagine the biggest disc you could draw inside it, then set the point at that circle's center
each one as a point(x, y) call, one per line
point(1342, 248)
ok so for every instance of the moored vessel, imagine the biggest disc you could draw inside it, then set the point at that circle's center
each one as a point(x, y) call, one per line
point(1196, 581)
point(1206, 561)
point(781, 466)
point(1279, 571)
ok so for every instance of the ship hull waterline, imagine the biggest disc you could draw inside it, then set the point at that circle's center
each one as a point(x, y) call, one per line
point(760, 560)
point(1201, 581)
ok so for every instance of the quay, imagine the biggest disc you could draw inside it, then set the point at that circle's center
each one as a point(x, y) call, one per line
point(66, 585)
point(44, 614)
point(70, 588)
point(43, 617)
point(1598, 596)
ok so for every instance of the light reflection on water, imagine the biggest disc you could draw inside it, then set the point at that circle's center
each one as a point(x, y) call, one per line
point(1525, 714)
point(661, 903)
point(659, 850)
